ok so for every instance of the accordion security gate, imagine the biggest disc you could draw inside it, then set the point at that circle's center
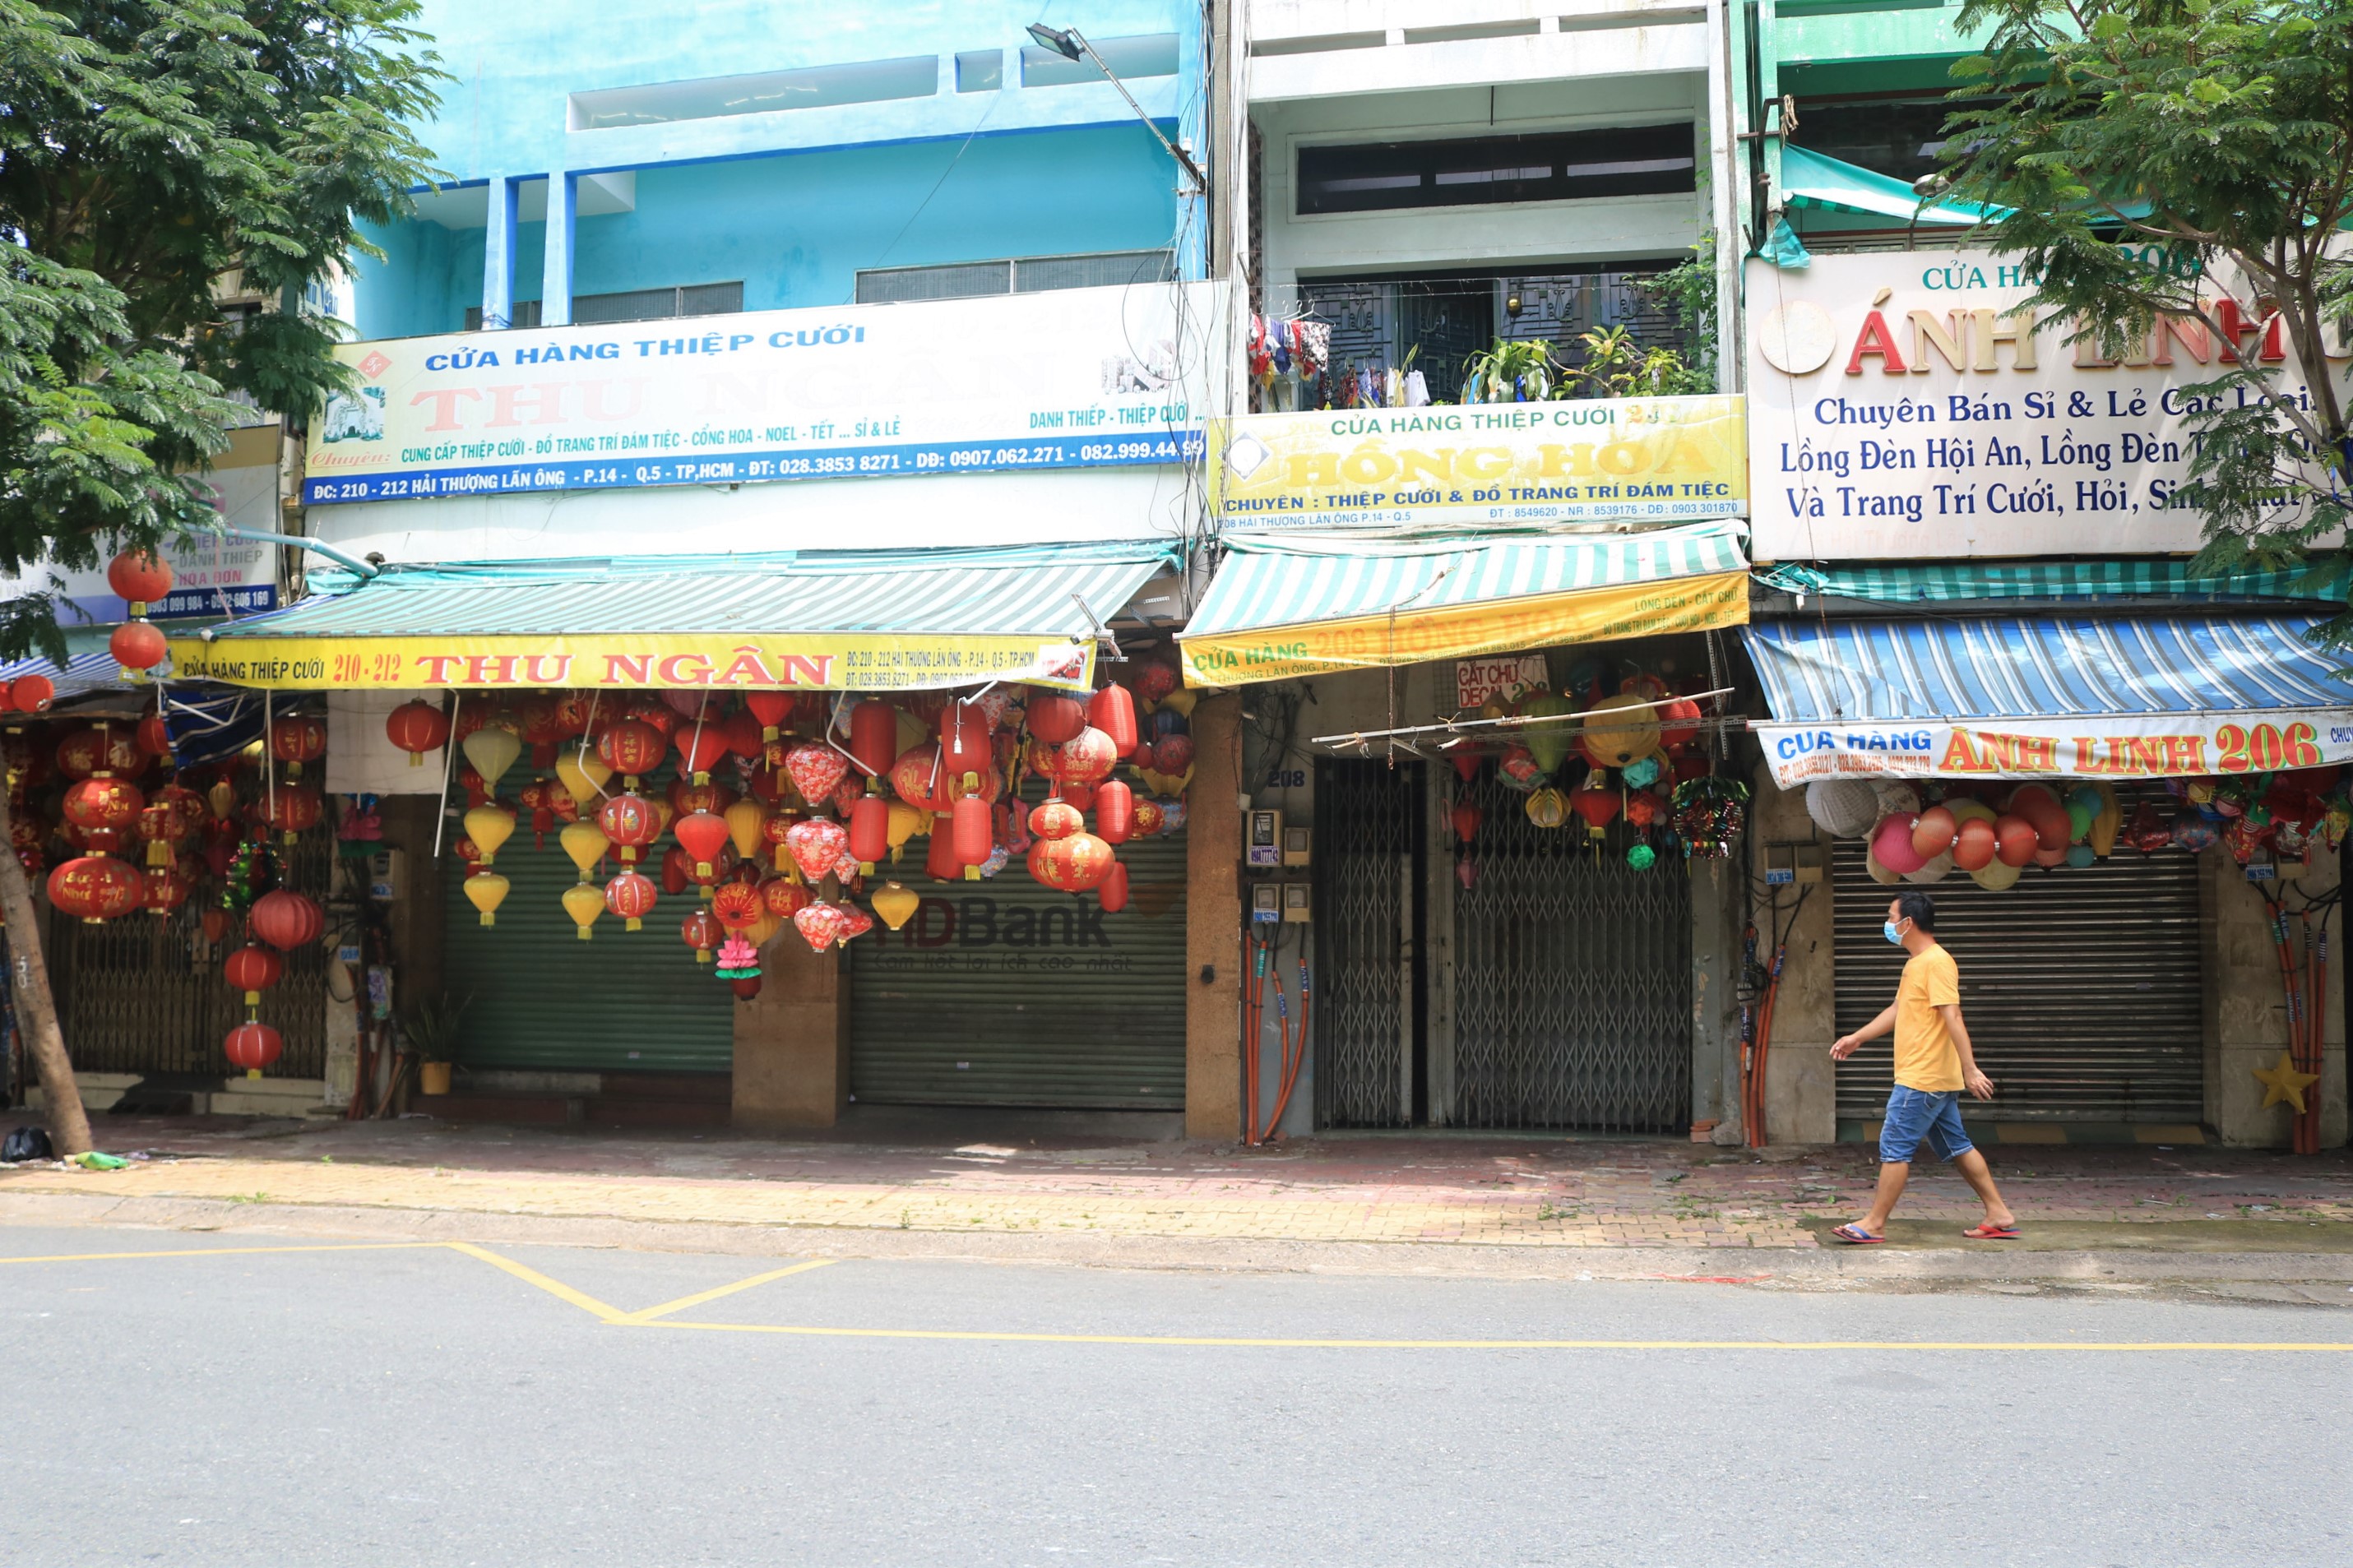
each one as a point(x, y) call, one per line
point(1573, 978)
point(1572, 971)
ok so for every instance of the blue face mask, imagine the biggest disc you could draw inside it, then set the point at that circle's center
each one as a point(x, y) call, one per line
point(1888, 931)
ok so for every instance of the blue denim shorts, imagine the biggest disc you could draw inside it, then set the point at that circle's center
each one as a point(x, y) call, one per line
point(1914, 1114)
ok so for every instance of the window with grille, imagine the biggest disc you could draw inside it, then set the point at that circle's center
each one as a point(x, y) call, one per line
point(1020, 275)
point(631, 305)
point(1471, 170)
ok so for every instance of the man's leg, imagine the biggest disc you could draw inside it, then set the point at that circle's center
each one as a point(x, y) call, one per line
point(1892, 1175)
point(1972, 1167)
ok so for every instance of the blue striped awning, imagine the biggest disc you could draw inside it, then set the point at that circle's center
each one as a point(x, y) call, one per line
point(1290, 605)
point(2044, 667)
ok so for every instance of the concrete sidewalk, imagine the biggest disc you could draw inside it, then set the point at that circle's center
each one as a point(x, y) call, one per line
point(1101, 1197)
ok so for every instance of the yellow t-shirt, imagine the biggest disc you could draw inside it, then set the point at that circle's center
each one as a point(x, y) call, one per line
point(1926, 1057)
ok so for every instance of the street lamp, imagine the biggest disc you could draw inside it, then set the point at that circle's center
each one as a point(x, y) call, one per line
point(1068, 43)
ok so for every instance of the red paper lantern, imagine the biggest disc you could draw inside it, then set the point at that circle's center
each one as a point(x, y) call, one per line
point(632, 748)
point(1054, 716)
point(869, 830)
point(1595, 802)
point(1151, 816)
point(155, 736)
point(676, 870)
point(965, 751)
point(815, 769)
point(874, 735)
point(687, 798)
point(1466, 817)
point(768, 780)
point(95, 888)
point(2015, 840)
point(137, 646)
point(746, 987)
point(1087, 758)
point(1973, 849)
point(100, 752)
point(293, 809)
point(1114, 812)
point(106, 806)
point(631, 822)
point(631, 897)
point(32, 693)
point(416, 728)
point(738, 906)
point(1112, 895)
point(1156, 680)
point(777, 828)
point(701, 748)
point(252, 969)
point(654, 713)
point(1112, 710)
point(1056, 819)
point(785, 898)
point(920, 780)
point(1072, 864)
point(141, 577)
point(855, 923)
point(702, 836)
point(744, 733)
point(1081, 796)
point(821, 926)
point(163, 889)
point(701, 932)
point(253, 1046)
point(285, 919)
point(161, 826)
point(972, 833)
point(817, 844)
point(299, 740)
point(214, 923)
point(1172, 753)
point(769, 710)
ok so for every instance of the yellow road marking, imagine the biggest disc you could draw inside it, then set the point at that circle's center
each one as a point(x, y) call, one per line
point(1212, 1342)
point(228, 1251)
point(683, 1302)
point(529, 1276)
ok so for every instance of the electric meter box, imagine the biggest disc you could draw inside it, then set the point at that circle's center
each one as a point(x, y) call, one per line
point(1298, 903)
point(1263, 845)
point(1266, 903)
point(1294, 846)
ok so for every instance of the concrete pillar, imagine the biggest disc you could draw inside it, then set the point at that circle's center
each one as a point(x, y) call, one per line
point(2246, 1009)
point(1213, 923)
point(556, 276)
point(498, 255)
point(792, 1041)
point(1800, 1080)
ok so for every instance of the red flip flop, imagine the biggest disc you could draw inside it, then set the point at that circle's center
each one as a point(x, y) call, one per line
point(1991, 1233)
point(1855, 1236)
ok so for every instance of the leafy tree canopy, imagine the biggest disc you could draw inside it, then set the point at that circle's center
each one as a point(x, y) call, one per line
point(2218, 136)
point(147, 151)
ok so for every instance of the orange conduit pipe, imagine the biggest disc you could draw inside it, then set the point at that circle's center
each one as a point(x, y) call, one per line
point(1293, 1060)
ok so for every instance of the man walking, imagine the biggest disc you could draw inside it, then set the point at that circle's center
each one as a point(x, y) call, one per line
point(1933, 1064)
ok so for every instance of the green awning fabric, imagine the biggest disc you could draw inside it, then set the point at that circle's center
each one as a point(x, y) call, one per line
point(2087, 581)
point(1810, 180)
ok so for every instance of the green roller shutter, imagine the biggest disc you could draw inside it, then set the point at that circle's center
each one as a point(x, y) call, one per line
point(1006, 992)
point(544, 999)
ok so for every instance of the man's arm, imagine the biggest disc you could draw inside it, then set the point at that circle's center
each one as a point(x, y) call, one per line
point(1979, 1085)
point(1871, 1031)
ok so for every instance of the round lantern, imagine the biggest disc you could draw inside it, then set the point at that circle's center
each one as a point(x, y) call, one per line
point(870, 831)
point(1596, 802)
point(821, 926)
point(631, 747)
point(253, 1046)
point(815, 770)
point(745, 987)
point(1114, 812)
point(583, 773)
point(303, 738)
point(161, 889)
point(490, 826)
point(1072, 864)
point(701, 748)
point(1547, 807)
point(542, 726)
point(737, 905)
point(703, 837)
point(1056, 819)
point(1155, 680)
point(1054, 716)
point(104, 806)
point(1933, 832)
point(631, 897)
point(1623, 728)
point(295, 809)
point(32, 693)
point(817, 844)
point(1151, 817)
point(492, 748)
point(2039, 808)
point(920, 779)
point(631, 821)
point(584, 903)
point(972, 831)
point(253, 969)
point(1087, 758)
point(1112, 711)
point(896, 904)
point(1112, 895)
point(775, 827)
point(416, 728)
point(585, 843)
point(701, 932)
point(1974, 846)
point(2015, 840)
point(1172, 753)
point(486, 893)
point(141, 577)
point(1890, 841)
point(285, 919)
point(784, 898)
point(137, 646)
point(95, 888)
point(744, 820)
point(155, 736)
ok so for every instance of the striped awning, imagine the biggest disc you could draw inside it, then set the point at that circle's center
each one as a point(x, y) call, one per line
point(1284, 605)
point(2117, 580)
point(856, 620)
point(2142, 696)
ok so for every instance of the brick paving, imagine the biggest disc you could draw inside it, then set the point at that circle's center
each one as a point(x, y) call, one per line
point(1491, 1190)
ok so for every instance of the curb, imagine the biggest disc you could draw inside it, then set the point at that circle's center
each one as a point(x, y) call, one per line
point(1793, 1267)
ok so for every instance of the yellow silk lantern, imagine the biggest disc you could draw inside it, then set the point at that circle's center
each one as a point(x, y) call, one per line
point(490, 826)
point(1547, 807)
point(895, 904)
point(493, 749)
point(2110, 820)
point(905, 823)
point(582, 775)
point(761, 932)
point(1627, 732)
point(744, 820)
point(584, 901)
point(486, 893)
point(586, 843)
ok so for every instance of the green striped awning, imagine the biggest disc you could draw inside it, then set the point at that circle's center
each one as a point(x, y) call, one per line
point(1290, 605)
point(829, 619)
point(2079, 581)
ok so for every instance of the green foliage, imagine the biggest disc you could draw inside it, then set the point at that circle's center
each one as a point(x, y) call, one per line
point(1687, 292)
point(2218, 135)
point(147, 151)
point(1512, 371)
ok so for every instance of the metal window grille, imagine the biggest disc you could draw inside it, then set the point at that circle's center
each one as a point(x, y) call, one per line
point(1019, 275)
point(1367, 829)
point(632, 305)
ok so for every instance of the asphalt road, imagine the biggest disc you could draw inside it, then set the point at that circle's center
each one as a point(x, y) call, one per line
point(422, 1406)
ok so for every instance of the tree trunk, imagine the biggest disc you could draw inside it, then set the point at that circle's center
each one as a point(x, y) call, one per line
point(36, 1010)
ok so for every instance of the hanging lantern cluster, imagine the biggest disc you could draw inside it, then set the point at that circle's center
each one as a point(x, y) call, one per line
point(141, 578)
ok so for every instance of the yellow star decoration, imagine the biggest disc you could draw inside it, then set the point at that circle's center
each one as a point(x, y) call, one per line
point(2284, 1082)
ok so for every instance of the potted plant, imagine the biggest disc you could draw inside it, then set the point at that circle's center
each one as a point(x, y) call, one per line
point(430, 1030)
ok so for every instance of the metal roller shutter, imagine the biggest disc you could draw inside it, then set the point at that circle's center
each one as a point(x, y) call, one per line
point(1006, 992)
point(544, 999)
point(2081, 988)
